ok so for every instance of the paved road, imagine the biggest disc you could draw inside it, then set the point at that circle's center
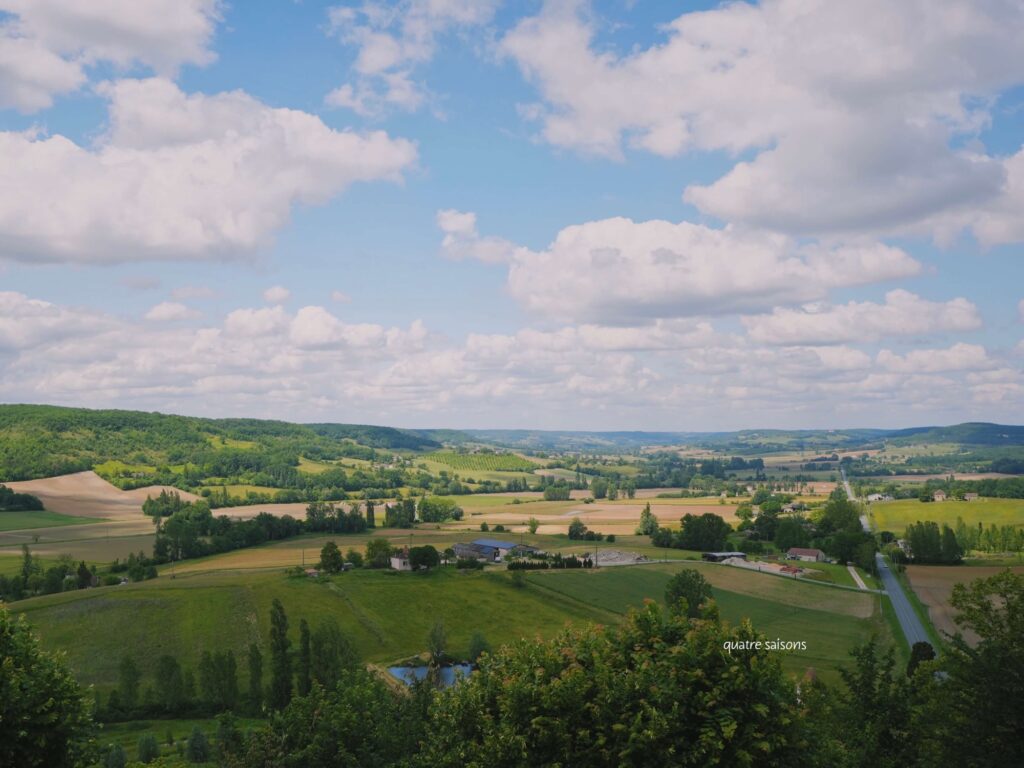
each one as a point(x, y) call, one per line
point(912, 627)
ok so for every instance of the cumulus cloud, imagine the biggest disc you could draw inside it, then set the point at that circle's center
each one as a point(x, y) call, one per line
point(902, 314)
point(276, 294)
point(168, 311)
point(46, 46)
point(310, 364)
point(856, 114)
point(178, 176)
point(392, 40)
point(959, 357)
point(621, 271)
point(340, 297)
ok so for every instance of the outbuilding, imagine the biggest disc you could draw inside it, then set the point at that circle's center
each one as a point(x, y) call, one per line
point(806, 555)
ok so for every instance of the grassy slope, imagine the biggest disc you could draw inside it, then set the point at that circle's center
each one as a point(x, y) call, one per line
point(388, 616)
point(818, 615)
point(896, 515)
point(18, 521)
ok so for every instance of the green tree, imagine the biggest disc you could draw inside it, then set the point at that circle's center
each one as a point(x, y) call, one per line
point(920, 651)
point(229, 737)
point(44, 719)
point(197, 749)
point(169, 684)
point(332, 655)
point(355, 558)
point(600, 696)
point(437, 643)
point(331, 559)
point(478, 646)
point(115, 757)
point(378, 553)
point(577, 529)
point(691, 586)
point(533, 524)
point(648, 522)
point(255, 659)
point(128, 677)
point(305, 680)
point(424, 557)
point(147, 750)
point(280, 661)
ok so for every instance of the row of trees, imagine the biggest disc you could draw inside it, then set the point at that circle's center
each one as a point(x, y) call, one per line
point(704, 533)
point(322, 656)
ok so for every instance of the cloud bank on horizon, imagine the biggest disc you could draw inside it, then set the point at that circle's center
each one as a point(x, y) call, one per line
point(469, 214)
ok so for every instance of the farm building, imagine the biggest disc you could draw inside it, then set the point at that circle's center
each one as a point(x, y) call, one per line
point(970, 497)
point(939, 496)
point(806, 555)
point(879, 497)
point(474, 551)
point(717, 557)
point(400, 560)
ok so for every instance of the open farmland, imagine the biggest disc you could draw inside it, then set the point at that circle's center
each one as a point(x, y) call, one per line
point(829, 620)
point(19, 521)
point(895, 516)
point(388, 615)
point(482, 462)
point(933, 585)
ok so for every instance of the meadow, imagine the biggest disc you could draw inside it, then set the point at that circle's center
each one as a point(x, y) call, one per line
point(387, 615)
point(895, 516)
point(18, 521)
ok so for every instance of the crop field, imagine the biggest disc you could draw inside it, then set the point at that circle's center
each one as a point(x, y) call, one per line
point(482, 462)
point(830, 621)
point(895, 516)
point(933, 585)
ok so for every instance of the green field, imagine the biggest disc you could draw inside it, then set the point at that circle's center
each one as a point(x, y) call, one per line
point(387, 615)
point(823, 621)
point(895, 516)
point(17, 521)
point(482, 462)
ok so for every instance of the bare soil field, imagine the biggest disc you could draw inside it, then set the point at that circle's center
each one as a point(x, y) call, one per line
point(933, 585)
point(86, 494)
point(956, 475)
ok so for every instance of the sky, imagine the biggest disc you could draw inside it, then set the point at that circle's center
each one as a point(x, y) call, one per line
point(620, 215)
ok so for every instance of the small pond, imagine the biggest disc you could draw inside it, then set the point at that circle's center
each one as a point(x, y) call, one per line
point(449, 675)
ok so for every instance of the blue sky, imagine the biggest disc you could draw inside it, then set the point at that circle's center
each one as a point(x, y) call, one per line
point(619, 215)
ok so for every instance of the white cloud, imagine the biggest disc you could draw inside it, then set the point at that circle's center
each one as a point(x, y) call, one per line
point(855, 112)
point(178, 176)
point(620, 271)
point(47, 45)
point(959, 357)
point(902, 314)
point(462, 241)
point(340, 297)
point(26, 323)
point(167, 311)
point(391, 41)
point(276, 294)
point(311, 365)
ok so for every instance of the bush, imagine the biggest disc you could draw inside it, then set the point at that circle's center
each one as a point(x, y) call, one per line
point(148, 750)
point(198, 748)
point(468, 564)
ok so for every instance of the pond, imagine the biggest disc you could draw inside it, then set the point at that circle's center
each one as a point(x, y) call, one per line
point(449, 675)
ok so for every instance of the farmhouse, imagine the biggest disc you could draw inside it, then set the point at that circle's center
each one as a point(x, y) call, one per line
point(939, 496)
point(879, 497)
point(717, 557)
point(806, 555)
point(970, 497)
point(400, 560)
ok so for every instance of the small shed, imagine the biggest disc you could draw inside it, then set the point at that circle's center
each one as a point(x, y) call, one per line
point(970, 497)
point(939, 496)
point(400, 560)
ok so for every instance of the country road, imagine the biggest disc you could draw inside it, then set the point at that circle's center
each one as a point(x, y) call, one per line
point(912, 627)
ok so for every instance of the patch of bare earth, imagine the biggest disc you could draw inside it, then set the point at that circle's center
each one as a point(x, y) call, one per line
point(933, 585)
